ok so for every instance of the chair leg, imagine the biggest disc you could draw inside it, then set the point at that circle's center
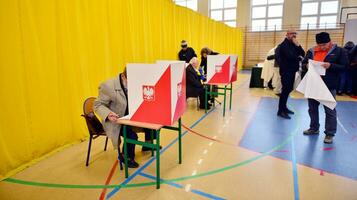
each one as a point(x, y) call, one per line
point(89, 148)
point(198, 103)
point(106, 143)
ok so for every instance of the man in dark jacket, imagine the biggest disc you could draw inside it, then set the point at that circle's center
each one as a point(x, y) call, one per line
point(353, 65)
point(194, 86)
point(334, 61)
point(186, 53)
point(288, 55)
point(345, 85)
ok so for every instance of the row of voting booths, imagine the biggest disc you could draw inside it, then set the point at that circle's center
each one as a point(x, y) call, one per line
point(157, 97)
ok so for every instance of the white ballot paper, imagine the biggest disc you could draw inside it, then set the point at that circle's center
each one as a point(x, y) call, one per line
point(318, 67)
point(313, 87)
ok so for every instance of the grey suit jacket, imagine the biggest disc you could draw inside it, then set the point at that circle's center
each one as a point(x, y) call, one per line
point(111, 98)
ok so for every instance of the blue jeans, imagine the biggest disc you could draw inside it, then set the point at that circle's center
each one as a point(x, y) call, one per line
point(330, 119)
point(345, 81)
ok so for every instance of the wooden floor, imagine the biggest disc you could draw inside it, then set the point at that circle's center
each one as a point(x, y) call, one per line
point(214, 165)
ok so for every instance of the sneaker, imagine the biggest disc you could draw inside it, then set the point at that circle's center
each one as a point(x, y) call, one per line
point(328, 139)
point(311, 132)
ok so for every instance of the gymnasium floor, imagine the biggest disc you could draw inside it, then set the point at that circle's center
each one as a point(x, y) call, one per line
point(248, 154)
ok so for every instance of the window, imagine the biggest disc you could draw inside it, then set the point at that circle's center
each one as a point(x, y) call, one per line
point(319, 14)
point(191, 4)
point(267, 15)
point(224, 11)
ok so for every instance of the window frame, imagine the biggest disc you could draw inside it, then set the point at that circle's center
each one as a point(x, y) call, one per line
point(266, 18)
point(223, 11)
point(319, 15)
point(186, 4)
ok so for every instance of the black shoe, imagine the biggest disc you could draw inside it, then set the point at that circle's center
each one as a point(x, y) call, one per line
point(311, 132)
point(289, 111)
point(148, 148)
point(283, 115)
point(328, 139)
point(339, 93)
point(131, 162)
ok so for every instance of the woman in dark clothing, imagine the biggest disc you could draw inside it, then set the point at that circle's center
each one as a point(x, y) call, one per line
point(205, 51)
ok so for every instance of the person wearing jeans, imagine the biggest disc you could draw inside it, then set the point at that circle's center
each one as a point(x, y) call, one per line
point(330, 120)
point(334, 59)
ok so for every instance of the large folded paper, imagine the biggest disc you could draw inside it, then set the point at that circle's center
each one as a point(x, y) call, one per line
point(318, 67)
point(313, 87)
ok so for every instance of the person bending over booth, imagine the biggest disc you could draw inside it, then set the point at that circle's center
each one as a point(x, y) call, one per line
point(194, 86)
point(111, 104)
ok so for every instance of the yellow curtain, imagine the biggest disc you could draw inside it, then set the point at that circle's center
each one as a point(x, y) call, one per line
point(54, 54)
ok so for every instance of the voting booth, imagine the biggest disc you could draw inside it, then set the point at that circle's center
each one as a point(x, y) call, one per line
point(156, 92)
point(221, 69)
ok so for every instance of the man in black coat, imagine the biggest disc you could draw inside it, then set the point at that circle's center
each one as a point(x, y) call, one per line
point(186, 53)
point(335, 60)
point(288, 55)
point(194, 86)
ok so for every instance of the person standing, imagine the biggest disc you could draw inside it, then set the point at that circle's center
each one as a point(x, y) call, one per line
point(205, 51)
point(345, 85)
point(186, 53)
point(334, 60)
point(288, 55)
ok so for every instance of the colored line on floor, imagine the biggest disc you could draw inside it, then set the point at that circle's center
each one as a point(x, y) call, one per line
point(109, 178)
point(206, 137)
point(173, 184)
point(295, 171)
point(125, 182)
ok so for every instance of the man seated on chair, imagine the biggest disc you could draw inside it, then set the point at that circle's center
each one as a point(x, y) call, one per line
point(111, 104)
point(194, 86)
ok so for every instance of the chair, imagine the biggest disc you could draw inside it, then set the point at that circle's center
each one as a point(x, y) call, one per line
point(197, 99)
point(94, 126)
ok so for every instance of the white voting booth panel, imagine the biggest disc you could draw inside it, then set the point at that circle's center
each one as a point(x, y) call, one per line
point(221, 69)
point(156, 92)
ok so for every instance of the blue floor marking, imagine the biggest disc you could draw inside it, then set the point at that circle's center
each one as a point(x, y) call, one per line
point(268, 130)
point(295, 171)
point(173, 184)
point(126, 181)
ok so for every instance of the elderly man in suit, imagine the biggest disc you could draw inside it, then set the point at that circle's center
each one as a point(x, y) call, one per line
point(111, 104)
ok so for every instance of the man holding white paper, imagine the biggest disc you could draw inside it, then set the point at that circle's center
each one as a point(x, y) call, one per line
point(327, 60)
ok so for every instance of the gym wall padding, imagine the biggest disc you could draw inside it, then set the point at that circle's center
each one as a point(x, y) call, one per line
point(55, 53)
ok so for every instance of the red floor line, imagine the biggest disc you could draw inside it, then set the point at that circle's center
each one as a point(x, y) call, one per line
point(109, 178)
point(201, 135)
